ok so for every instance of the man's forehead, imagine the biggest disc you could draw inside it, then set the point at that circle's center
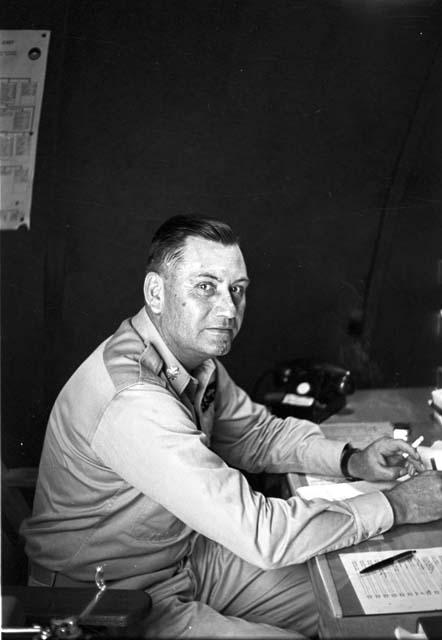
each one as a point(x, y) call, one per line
point(201, 256)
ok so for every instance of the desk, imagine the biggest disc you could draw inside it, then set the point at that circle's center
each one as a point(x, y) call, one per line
point(396, 405)
point(409, 405)
point(404, 404)
point(362, 626)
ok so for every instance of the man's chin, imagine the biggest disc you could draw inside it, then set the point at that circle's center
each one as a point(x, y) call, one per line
point(221, 348)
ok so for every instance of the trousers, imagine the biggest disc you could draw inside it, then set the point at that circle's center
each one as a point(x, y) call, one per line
point(215, 594)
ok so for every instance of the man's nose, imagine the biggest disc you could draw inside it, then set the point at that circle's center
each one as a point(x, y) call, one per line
point(226, 306)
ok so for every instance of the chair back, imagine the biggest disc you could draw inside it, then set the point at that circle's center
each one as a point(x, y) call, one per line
point(17, 491)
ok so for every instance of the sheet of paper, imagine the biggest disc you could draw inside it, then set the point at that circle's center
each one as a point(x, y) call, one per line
point(410, 585)
point(23, 55)
point(436, 397)
point(322, 480)
point(341, 490)
point(431, 453)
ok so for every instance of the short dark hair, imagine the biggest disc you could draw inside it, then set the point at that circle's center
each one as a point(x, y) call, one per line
point(169, 239)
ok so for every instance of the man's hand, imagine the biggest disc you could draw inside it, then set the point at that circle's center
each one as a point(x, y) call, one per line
point(383, 460)
point(418, 499)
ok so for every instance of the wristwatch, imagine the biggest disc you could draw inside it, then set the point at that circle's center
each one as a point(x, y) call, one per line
point(346, 454)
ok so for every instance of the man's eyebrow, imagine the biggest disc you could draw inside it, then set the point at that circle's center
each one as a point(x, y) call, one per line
point(210, 275)
point(206, 274)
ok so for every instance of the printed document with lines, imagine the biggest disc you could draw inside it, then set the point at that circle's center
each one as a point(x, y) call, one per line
point(414, 584)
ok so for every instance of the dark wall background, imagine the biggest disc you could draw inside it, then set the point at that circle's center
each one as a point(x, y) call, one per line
point(312, 127)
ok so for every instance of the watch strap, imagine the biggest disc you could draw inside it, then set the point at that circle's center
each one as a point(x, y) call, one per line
point(346, 454)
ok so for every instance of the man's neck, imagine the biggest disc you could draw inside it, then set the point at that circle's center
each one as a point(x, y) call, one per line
point(190, 364)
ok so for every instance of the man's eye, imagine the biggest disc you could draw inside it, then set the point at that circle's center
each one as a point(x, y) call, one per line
point(207, 287)
point(237, 290)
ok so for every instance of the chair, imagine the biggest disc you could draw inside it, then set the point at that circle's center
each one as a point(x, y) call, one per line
point(120, 612)
point(17, 491)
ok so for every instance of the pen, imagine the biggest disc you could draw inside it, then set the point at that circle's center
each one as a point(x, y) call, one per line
point(433, 464)
point(387, 561)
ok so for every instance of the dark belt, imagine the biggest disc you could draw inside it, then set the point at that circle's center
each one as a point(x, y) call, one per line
point(49, 578)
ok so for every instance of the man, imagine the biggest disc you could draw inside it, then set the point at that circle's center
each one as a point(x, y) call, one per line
point(141, 465)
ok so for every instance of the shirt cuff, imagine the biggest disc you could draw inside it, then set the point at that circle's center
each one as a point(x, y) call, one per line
point(373, 514)
point(324, 457)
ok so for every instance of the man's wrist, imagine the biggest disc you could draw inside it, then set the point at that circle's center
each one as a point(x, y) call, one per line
point(399, 513)
point(347, 452)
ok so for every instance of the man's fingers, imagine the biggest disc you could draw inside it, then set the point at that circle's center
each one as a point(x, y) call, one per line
point(387, 459)
point(412, 464)
point(392, 473)
point(401, 447)
point(418, 465)
point(397, 460)
point(410, 469)
point(391, 447)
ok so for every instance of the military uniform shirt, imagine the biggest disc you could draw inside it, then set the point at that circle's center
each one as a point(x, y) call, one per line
point(140, 457)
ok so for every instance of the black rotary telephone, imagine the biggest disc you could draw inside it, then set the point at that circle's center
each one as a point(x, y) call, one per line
point(305, 388)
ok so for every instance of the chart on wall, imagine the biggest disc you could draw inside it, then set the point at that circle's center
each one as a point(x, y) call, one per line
point(23, 55)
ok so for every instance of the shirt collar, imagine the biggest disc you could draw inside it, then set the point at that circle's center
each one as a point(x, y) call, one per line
point(175, 372)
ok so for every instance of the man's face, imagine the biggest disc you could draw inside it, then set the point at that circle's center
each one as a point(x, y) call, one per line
point(203, 301)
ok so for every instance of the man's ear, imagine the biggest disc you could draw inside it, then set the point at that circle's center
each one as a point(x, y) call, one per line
point(154, 291)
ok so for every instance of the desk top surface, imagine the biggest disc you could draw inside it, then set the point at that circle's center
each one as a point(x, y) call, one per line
point(409, 405)
point(394, 405)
